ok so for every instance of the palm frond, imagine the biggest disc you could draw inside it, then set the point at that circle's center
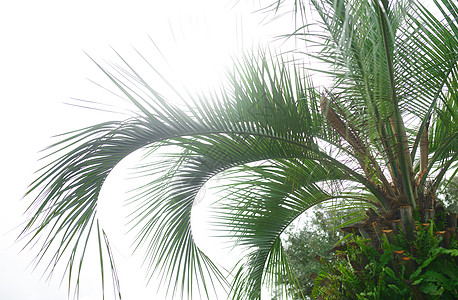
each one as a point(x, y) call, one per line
point(258, 120)
point(261, 201)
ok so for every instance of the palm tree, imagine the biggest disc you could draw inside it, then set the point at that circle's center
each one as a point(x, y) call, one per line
point(381, 137)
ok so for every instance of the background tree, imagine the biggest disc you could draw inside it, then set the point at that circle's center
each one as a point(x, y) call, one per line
point(306, 243)
point(449, 195)
point(385, 130)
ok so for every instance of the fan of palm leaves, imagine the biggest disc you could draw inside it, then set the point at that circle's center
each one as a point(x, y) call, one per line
point(384, 133)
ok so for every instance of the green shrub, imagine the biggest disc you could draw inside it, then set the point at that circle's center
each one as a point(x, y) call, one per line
point(423, 270)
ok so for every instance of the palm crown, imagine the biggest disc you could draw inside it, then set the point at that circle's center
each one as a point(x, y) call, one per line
point(381, 138)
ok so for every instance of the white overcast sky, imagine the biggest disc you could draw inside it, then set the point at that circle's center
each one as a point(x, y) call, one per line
point(43, 66)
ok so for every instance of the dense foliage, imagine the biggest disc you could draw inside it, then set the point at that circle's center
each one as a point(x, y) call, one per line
point(424, 271)
point(356, 269)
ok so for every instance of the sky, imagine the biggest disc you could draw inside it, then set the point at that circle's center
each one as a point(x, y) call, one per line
point(45, 63)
